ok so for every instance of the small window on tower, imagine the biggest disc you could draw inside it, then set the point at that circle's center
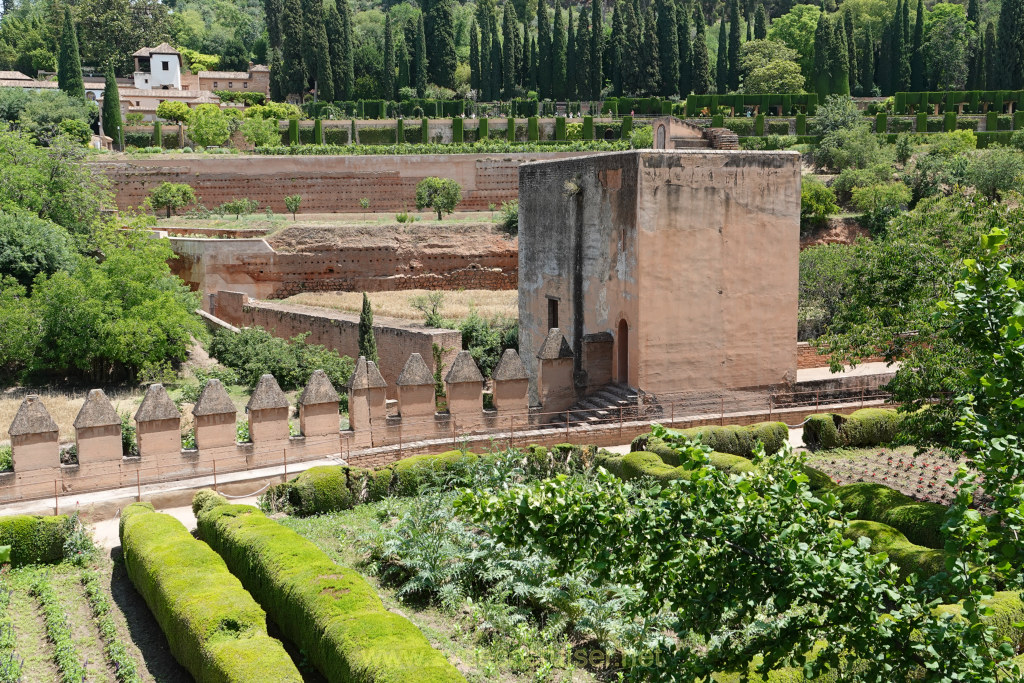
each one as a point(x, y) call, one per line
point(552, 313)
point(167, 66)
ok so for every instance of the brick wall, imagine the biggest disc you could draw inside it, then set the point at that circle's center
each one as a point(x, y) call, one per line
point(807, 357)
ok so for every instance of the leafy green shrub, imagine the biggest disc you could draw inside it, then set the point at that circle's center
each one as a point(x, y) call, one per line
point(440, 194)
point(254, 352)
point(904, 148)
point(910, 558)
point(850, 178)
point(238, 207)
point(31, 246)
point(508, 222)
point(486, 339)
point(213, 626)
point(415, 473)
point(865, 427)
point(329, 611)
point(920, 522)
point(817, 202)
point(996, 171)
point(642, 137)
point(879, 203)
point(34, 539)
point(205, 499)
point(856, 147)
point(6, 459)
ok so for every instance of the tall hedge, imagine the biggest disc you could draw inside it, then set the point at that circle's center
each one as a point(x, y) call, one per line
point(425, 129)
point(293, 131)
point(865, 427)
point(481, 129)
point(35, 539)
point(588, 127)
point(532, 129)
point(510, 131)
point(457, 133)
point(214, 627)
point(559, 127)
point(329, 611)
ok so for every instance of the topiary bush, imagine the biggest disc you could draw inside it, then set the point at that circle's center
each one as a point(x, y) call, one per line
point(910, 558)
point(732, 439)
point(328, 611)
point(920, 522)
point(865, 427)
point(206, 499)
point(214, 627)
point(35, 539)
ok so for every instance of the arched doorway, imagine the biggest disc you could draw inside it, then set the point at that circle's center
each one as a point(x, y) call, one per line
point(622, 366)
point(660, 144)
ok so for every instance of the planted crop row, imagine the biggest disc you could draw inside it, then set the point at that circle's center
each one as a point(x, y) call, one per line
point(115, 651)
point(65, 656)
point(10, 663)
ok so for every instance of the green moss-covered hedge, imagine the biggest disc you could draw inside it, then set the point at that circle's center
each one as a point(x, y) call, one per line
point(214, 627)
point(330, 612)
point(909, 557)
point(865, 427)
point(920, 522)
point(35, 539)
point(733, 439)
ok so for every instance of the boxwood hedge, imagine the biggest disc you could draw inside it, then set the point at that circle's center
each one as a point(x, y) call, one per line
point(920, 522)
point(909, 557)
point(214, 627)
point(330, 612)
point(733, 439)
point(35, 539)
point(865, 427)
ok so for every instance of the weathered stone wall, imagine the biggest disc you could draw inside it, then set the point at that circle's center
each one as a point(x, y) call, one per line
point(689, 259)
point(253, 266)
point(326, 183)
point(396, 339)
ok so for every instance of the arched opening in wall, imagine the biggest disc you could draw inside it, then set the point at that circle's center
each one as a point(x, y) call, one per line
point(609, 134)
point(622, 364)
point(661, 138)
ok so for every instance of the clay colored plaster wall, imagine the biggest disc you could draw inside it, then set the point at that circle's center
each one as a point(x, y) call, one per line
point(326, 183)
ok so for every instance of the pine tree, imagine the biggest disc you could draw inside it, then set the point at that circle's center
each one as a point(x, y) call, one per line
point(866, 62)
point(596, 49)
point(278, 90)
point(701, 70)
point(615, 47)
point(991, 57)
point(583, 65)
point(650, 64)
point(734, 45)
point(917, 73)
point(544, 83)
point(558, 54)
point(439, 26)
point(508, 53)
point(474, 58)
point(419, 58)
point(367, 340)
point(571, 75)
point(685, 54)
point(851, 52)
point(822, 45)
point(760, 23)
point(838, 64)
point(388, 82)
point(111, 117)
point(722, 63)
point(668, 47)
point(1011, 44)
point(632, 34)
point(69, 62)
point(292, 36)
point(273, 9)
point(335, 45)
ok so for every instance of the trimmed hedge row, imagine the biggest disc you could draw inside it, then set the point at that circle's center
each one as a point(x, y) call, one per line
point(330, 612)
point(865, 427)
point(214, 627)
point(920, 522)
point(909, 557)
point(35, 539)
point(732, 439)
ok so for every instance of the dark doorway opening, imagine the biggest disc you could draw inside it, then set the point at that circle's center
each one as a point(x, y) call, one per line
point(622, 340)
point(552, 313)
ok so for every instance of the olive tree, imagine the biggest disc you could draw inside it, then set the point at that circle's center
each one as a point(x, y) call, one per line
point(440, 194)
point(172, 196)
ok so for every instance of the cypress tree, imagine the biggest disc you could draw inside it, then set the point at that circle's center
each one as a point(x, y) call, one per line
point(508, 52)
point(917, 72)
point(668, 47)
point(596, 50)
point(615, 47)
point(1011, 44)
point(497, 63)
point(388, 82)
point(419, 58)
point(583, 58)
point(112, 123)
point(534, 68)
point(402, 55)
point(685, 56)
point(974, 13)
point(650, 64)
point(822, 46)
point(69, 62)
point(734, 45)
point(851, 52)
point(866, 62)
point(440, 30)
point(336, 48)
point(975, 70)
point(315, 52)
point(838, 66)
point(570, 59)
point(750, 26)
point(273, 10)
point(348, 79)
point(632, 34)
point(367, 340)
point(722, 63)
point(760, 23)
point(901, 48)
point(543, 62)
point(291, 53)
point(278, 91)
point(979, 70)
point(527, 63)
point(700, 73)
point(474, 58)
point(517, 49)
point(485, 15)
point(991, 58)
point(558, 48)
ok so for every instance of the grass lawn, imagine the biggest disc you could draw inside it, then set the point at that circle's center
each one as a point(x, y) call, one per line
point(460, 635)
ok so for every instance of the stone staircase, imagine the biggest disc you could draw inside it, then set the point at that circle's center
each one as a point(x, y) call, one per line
point(607, 405)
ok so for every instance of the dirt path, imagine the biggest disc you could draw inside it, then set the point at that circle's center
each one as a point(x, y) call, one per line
point(30, 641)
point(84, 633)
